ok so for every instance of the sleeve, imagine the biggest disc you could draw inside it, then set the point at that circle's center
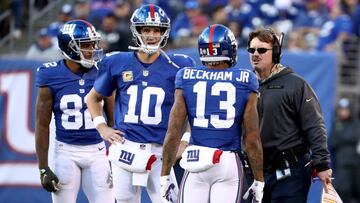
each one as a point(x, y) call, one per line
point(313, 126)
point(105, 83)
point(42, 77)
point(179, 79)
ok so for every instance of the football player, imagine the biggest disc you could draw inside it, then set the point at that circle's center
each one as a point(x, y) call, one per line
point(64, 85)
point(144, 84)
point(218, 99)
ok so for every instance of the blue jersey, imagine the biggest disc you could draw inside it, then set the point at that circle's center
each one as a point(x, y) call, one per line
point(144, 93)
point(215, 101)
point(69, 90)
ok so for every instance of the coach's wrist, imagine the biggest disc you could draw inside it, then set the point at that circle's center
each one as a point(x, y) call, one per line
point(98, 120)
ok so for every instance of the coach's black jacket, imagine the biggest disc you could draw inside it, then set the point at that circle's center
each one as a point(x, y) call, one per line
point(290, 117)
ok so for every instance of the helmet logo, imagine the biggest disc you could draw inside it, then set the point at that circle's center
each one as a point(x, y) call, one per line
point(68, 29)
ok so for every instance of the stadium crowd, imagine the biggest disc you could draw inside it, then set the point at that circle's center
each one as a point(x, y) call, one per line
point(309, 24)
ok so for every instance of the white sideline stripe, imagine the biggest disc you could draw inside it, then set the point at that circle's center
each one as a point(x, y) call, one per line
point(19, 174)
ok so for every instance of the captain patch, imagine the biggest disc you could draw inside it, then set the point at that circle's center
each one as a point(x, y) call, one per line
point(127, 76)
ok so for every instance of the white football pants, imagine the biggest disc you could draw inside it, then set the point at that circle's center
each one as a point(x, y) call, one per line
point(125, 192)
point(218, 184)
point(86, 165)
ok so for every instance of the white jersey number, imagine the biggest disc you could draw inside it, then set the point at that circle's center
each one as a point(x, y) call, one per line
point(80, 118)
point(131, 117)
point(228, 104)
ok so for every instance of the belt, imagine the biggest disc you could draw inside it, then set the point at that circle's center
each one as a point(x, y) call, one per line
point(284, 159)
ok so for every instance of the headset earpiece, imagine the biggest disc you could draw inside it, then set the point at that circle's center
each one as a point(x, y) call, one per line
point(276, 53)
point(277, 46)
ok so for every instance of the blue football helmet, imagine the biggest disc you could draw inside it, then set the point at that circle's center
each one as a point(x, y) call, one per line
point(70, 37)
point(150, 16)
point(217, 44)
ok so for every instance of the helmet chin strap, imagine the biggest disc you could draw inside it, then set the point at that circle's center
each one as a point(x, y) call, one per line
point(134, 48)
point(87, 63)
point(162, 52)
point(145, 49)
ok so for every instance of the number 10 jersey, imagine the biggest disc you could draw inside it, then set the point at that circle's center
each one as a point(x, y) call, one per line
point(144, 93)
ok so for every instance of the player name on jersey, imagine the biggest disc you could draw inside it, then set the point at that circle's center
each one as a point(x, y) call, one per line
point(216, 75)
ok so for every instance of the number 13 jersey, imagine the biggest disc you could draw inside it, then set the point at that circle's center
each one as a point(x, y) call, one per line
point(216, 101)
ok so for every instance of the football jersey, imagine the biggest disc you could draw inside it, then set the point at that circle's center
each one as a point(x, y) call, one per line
point(69, 91)
point(216, 101)
point(144, 93)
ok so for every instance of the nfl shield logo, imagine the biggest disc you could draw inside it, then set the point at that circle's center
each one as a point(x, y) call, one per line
point(127, 76)
point(81, 82)
point(145, 73)
point(142, 146)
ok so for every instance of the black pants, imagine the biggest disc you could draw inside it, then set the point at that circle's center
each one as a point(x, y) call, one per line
point(292, 189)
point(347, 182)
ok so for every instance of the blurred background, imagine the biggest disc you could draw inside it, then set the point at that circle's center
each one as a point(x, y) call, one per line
point(321, 44)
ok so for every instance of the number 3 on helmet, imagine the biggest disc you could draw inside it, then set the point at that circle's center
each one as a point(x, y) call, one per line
point(70, 37)
point(216, 44)
point(150, 16)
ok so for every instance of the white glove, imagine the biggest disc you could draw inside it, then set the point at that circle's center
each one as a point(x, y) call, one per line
point(167, 190)
point(257, 190)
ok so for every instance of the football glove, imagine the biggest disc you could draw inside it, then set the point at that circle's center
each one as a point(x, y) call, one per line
point(167, 190)
point(49, 180)
point(257, 190)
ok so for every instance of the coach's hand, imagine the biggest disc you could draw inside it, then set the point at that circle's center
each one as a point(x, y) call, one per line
point(167, 190)
point(257, 190)
point(49, 180)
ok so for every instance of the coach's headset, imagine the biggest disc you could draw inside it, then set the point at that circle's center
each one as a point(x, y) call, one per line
point(277, 44)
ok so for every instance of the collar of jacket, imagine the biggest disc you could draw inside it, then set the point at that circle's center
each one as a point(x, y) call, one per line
point(278, 71)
